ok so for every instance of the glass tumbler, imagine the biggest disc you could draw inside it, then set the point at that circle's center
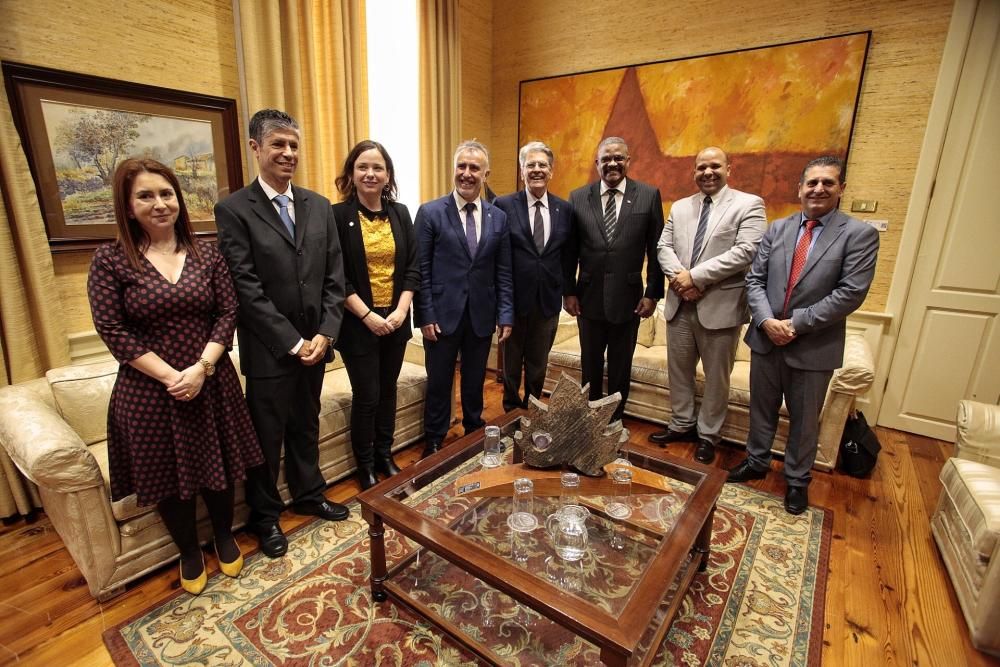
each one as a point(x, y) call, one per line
point(621, 482)
point(492, 457)
point(569, 489)
point(522, 518)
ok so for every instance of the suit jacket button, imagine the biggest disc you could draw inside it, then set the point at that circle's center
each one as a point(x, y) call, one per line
point(299, 253)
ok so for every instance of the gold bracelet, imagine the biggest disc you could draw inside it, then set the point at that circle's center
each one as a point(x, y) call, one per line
point(208, 366)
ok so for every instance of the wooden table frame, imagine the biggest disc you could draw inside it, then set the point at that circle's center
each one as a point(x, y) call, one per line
point(617, 641)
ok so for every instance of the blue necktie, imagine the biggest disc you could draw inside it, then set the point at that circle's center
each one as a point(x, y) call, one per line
point(470, 228)
point(283, 213)
point(699, 236)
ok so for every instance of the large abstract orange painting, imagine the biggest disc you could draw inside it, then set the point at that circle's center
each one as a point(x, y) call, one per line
point(772, 109)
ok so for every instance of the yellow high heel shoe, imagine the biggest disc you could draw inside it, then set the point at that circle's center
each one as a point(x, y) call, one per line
point(196, 585)
point(233, 568)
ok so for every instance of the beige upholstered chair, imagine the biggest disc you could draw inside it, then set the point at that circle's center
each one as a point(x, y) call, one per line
point(966, 525)
point(55, 431)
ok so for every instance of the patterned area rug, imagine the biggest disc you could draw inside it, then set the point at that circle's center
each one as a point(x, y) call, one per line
point(759, 603)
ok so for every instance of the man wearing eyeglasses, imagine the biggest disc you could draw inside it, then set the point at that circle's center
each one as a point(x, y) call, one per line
point(539, 228)
point(617, 223)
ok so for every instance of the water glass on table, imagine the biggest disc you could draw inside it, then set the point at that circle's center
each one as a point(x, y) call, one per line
point(492, 456)
point(621, 482)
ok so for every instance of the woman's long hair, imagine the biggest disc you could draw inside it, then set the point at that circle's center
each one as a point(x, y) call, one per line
point(345, 182)
point(133, 238)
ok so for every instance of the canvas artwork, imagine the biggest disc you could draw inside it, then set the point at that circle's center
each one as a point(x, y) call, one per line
point(772, 109)
point(87, 143)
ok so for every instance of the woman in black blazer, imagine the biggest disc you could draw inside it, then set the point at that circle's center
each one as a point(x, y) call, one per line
point(380, 268)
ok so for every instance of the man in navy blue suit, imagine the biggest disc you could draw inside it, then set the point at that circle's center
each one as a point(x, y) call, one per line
point(466, 291)
point(539, 228)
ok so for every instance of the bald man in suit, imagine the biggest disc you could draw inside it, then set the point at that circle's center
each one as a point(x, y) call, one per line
point(707, 246)
point(812, 270)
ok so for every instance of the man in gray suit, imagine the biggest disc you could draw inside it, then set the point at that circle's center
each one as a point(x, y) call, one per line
point(616, 225)
point(812, 270)
point(706, 248)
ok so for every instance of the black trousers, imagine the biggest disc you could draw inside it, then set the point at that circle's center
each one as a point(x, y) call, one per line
point(527, 349)
point(374, 373)
point(285, 414)
point(598, 336)
point(440, 358)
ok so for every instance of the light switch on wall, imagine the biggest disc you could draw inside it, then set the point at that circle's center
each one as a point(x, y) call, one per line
point(864, 205)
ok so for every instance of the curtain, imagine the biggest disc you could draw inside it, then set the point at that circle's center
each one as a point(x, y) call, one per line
point(440, 94)
point(32, 336)
point(307, 58)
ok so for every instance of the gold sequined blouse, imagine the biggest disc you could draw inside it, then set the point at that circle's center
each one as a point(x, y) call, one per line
point(380, 250)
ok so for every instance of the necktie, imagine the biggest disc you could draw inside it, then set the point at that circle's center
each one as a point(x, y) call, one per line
point(538, 233)
point(283, 213)
point(610, 214)
point(470, 229)
point(699, 235)
point(799, 261)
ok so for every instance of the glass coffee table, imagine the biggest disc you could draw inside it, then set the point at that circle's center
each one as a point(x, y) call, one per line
point(506, 595)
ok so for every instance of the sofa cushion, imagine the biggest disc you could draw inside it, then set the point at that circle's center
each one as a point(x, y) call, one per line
point(82, 394)
point(974, 491)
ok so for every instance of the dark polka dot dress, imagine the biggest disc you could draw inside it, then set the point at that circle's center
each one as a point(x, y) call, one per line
point(158, 446)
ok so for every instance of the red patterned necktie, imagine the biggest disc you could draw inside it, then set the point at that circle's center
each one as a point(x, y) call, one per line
point(798, 262)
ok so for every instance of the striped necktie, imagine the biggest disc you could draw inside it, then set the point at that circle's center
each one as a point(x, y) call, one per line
point(798, 262)
point(610, 214)
point(699, 235)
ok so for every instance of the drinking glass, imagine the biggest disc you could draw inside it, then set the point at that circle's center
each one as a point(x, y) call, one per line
point(492, 457)
point(621, 481)
point(569, 489)
point(568, 530)
point(522, 518)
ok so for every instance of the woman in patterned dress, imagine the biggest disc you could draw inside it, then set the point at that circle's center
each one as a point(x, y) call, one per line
point(178, 426)
point(381, 274)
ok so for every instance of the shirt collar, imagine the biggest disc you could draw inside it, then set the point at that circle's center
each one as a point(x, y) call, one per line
point(823, 219)
point(532, 199)
point(272, 193)
point(717, 197)
point(460, 202)
point(620, 187)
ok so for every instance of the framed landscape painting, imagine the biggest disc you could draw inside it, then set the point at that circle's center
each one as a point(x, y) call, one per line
point(772, 108)
point(77, 128)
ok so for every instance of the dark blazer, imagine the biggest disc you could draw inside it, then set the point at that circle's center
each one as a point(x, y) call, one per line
point(450, 277)
point(832, 285)
point(538, 277)
point(288, 288)
point(354, 335)
point(609, 285)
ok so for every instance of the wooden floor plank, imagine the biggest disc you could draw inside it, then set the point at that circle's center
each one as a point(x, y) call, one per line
point(888, 600)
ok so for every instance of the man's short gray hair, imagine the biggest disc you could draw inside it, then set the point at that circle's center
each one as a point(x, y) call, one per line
point(535, 147)
point(471, 145)
point(607, 141)
point(266, 121)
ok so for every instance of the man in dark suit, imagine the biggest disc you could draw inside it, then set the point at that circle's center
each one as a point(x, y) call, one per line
point(283, 252)
point(616, 226)
point(707, 245)
point(812, 270)
point(539, 228)
point(466, 291)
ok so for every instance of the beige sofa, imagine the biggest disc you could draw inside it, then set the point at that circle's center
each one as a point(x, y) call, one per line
point(966, 524)
point(54, 429)
point(649, 395)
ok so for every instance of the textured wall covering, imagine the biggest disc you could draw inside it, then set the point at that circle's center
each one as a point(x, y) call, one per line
point(183, 44)
point(533, 39)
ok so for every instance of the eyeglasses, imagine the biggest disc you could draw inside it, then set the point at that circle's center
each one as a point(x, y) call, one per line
point(607, 159)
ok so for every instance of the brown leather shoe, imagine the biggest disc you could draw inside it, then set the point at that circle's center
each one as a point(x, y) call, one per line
point(667, 436)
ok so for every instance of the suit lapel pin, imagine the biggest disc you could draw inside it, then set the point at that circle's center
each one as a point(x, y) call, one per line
point(350, 224)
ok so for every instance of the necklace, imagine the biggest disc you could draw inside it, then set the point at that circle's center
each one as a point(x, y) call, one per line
point(153, 248)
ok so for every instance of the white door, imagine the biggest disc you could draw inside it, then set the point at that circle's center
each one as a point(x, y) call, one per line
point(948, 347)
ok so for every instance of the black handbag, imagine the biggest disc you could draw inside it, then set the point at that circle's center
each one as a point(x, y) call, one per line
point(859, 447)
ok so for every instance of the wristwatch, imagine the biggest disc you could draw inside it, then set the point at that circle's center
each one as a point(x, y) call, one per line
point(208, 366)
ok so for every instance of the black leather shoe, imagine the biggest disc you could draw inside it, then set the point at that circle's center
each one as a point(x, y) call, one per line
point(273, 542)
point(326, 509)
point(384, 465)
point(366, 478)
point(796, 499)
point(667, 436)
point(744, 472)
point(431, 447)
point(705, 452)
